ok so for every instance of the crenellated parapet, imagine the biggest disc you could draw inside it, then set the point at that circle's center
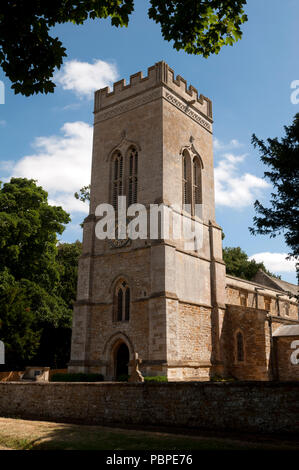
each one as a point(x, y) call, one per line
point(158, 75)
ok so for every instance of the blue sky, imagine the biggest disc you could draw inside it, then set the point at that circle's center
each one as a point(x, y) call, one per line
point(48, 137)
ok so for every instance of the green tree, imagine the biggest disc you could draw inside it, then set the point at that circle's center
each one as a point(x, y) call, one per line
point(28, 232)
point(282, 158)
point(199, 26)
point(32, 307)
point(238, 264)
point(68, 258)
point(17, 323)
point(29, 54)
point(56, 333)
point(34, 325)
point(84, 194)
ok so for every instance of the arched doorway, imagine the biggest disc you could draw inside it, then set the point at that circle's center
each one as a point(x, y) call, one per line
point(122, 358)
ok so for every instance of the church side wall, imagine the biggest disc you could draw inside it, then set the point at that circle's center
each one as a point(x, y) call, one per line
point(252, 324)
point(264, 298)
point(260, 356)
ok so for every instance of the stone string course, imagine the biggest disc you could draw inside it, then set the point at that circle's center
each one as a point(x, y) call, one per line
point(242, 407)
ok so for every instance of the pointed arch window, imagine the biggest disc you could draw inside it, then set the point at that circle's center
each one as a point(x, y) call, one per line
point(196, 182)
point(239, 347)
point(117, 172)
point(122, 302)
point(186, 181)
point(191, 182)
point(120, 296)
point(133, 176)
point(127, 304)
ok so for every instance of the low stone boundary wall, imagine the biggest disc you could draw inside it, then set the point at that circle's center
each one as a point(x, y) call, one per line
point(244, 406)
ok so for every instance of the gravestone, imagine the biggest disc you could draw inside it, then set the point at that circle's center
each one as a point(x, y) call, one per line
point(136, 375)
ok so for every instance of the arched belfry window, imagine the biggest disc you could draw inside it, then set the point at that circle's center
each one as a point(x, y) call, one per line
point(120, 296)
point(127, 304)
point(192, 187)
point(117, 172)
point(124, 160)
point(239, 347)
point(196, 181)
point(122, 302)
point(132, 176)
point(186, 180)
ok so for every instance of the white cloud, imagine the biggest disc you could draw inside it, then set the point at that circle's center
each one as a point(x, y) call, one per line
point(2, 123)
point(84, 78)
point(6, 165)
point(68, 202)
point(71, 106)
point(61, 164)
point(275, 262)
point(233, 144)
point(233, 189)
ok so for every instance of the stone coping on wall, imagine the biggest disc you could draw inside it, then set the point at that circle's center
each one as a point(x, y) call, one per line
point(194, 383)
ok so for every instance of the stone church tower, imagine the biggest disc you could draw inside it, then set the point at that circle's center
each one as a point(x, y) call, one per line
point(153, 143)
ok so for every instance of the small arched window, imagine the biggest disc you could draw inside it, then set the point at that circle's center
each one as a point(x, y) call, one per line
point(117, 172)
point(239, 347)
point(127, 304)
point(133, 176)
point(120, 297)
point(122, 302)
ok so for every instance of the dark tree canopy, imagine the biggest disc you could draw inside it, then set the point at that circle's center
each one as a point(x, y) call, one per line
point(238, 264)
point(29, 54)
point(37, 279)
point(67, 258)
point(18, 329)
point(199, 27)
point(28, 231)
point(282, 158)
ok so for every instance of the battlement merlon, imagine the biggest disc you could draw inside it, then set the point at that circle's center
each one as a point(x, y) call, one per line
point(158, 74)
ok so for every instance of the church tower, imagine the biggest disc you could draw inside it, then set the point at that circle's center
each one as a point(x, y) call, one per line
point(152, 143)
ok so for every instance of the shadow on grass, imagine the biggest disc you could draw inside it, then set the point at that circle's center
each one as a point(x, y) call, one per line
point(80, 437)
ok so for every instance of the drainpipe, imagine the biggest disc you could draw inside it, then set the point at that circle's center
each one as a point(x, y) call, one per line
point(278, 307)
point(274, 368)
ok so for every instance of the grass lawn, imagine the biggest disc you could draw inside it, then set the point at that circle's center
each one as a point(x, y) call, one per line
point(40, 435)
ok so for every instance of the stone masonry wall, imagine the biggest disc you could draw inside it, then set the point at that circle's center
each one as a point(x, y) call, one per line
point(243, 407)
point(252, 324)
point(261, 360)
point(286, 370)
point(269, 299)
